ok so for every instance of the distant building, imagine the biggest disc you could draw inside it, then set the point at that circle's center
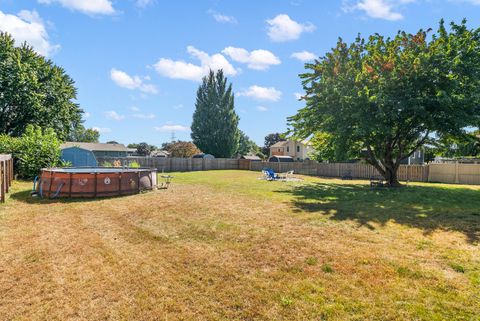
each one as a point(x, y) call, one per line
point(417, 158)
point(253, 158)
point(85, 154)
point(294, 149)
point(131, 152)
point(281, 159)
point(160, 153)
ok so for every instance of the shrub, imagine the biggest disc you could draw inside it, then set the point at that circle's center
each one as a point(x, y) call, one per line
point(106, 164)
point(34, 150)
point(134, 164)
point(64, 163)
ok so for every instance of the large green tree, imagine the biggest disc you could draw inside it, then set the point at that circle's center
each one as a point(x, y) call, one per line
point(246, 145)
point(383, 98)
point(34, 91)
point(270, 140)
point(81, 134)
point(215, 123)
point(181, 148)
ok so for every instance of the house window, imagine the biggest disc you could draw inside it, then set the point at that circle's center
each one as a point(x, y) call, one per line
point(279, 149)
point(298, 149)
point(288, 149)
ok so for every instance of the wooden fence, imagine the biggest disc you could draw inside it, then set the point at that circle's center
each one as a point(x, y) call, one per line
point(417, 173)
point(455, 173)
point(442, 173)
point(6, 175)
point(163, 164)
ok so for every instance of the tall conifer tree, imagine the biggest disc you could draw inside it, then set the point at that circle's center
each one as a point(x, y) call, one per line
point(215, 123)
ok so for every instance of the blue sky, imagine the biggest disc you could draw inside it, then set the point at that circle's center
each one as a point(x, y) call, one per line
point(137, 63)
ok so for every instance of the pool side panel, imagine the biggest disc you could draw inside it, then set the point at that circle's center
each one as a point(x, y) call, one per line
point(95, 184)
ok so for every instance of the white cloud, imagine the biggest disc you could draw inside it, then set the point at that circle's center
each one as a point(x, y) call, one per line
point(223, 18)
point(259, 59)
point(86, 115)
point(262, 108)
point(378, 9)
point(172, 127)
point(144, 3)
point(91, 7)
point(28, 26)
point(283, 28)
point(262, 93)
point(182, 70)
point(102, 130)
point(114, 115)
point(134, 108)
point(144, 116)
point(124, 80)
point(304, 56)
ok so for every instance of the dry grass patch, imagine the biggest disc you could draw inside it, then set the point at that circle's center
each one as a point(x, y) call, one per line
point(222, 245)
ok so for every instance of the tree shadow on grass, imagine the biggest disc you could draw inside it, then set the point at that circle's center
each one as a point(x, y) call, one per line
point(424, 207)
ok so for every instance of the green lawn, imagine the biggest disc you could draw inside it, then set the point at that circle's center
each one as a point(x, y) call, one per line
point(223, 245)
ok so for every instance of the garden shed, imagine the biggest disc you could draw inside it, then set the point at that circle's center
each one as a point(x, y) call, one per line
point(281, 159)
point(85, 154)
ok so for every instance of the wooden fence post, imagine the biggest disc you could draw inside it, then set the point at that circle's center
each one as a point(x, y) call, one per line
point(2, 187)
point(456, 173)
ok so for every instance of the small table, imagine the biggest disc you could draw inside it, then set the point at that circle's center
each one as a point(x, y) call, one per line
point(166, 183)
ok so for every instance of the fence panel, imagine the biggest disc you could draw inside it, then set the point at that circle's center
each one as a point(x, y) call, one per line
point(6, 175)
point(468, 174)
point(175, 164)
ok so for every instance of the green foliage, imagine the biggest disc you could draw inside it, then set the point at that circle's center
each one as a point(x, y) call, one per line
point(270, 140)
point(181, 149)
point(215, 123)
point(64, 163)
point(311, 260)
point(34, 150)
point(458, 146)
point(34, 91)
point(388, 96)
point(82, 134)
point(106, 164)
point(143, 149)
point(457, 267)
point(134, 164)
point(246, 145)
point(327, 268)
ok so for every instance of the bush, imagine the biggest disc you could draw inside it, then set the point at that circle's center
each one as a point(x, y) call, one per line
point(34, 150)
point(135, 164)
point(64, 163)
point(106, 164)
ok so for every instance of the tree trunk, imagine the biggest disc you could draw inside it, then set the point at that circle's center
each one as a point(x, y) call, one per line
point(391, 176)
point(386, 167)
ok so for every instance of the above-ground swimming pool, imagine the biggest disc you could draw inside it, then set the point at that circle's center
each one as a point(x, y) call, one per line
point(94, 181)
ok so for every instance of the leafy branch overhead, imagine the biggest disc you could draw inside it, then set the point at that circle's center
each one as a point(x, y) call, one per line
point(383, 98)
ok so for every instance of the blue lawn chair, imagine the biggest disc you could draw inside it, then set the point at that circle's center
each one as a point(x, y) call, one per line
point(270, 174)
